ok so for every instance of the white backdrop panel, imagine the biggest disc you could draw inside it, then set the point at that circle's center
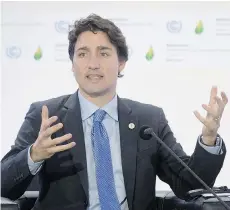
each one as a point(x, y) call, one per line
point(178, 78)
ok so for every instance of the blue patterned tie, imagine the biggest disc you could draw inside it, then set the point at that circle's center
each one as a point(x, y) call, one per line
point(103, 162)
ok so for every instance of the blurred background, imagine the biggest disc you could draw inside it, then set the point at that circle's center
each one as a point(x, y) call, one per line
point(178, 50)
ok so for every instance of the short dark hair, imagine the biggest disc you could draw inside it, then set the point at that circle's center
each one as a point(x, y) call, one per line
point(96, 23)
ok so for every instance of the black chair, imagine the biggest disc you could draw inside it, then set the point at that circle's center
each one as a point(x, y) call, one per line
point(196, 200)
point(7, 204)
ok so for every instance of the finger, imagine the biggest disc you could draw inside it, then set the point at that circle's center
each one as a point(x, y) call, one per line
point(48, 132)
point(61, 148)
point(199, 117)
point(59, 140)
point(208, 109)
point(213, 94)
point(47, 123)
point(210, 112)
point(45, 113)
point(220, 103)
point(224, 98)
point(221, 107)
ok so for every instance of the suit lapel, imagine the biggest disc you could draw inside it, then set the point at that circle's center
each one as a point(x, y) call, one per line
point(128, 124)
point(72, 121)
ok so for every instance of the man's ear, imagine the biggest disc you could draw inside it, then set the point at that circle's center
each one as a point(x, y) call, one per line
point(121, 67)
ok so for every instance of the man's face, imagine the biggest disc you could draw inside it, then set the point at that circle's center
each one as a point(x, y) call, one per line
point(96, 64)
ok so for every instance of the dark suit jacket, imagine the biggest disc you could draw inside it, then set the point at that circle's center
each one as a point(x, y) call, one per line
point(63, 177)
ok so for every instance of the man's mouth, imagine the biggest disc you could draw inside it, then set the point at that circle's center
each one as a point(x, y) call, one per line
point(94, 77)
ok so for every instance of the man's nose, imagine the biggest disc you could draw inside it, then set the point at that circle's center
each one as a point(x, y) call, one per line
point(93, 63)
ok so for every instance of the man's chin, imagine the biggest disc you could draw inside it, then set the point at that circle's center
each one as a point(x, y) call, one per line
point(96, 93)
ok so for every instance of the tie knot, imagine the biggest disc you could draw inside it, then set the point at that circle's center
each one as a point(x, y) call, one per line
point(99, 115)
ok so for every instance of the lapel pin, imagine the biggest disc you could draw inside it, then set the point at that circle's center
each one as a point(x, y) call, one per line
point(131, 126)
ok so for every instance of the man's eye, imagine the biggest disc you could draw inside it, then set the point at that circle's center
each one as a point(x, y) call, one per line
point(81, 54)
point(104, 54)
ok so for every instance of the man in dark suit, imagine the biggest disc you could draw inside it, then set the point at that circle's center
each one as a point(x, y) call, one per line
point(86, 148)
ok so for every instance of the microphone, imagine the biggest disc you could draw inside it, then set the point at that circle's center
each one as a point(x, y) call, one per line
point(147, 133)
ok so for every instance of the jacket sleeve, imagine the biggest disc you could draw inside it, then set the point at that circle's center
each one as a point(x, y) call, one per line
point(15, 173)
point(205, 164)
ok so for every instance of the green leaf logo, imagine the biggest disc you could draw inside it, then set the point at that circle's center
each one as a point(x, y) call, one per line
point(38, 54)
point(149, 55)
point(199, 27)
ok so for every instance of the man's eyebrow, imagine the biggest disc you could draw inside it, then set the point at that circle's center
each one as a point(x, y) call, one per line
point(83, 48)
point(101, 47)
point(104, 48)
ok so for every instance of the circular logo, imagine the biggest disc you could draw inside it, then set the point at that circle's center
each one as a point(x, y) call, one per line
point(62, 26)
point(13, 52)
point(174, 26)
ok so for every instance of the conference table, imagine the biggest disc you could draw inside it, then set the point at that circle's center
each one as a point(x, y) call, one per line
point(165, 200)
point(26, 201)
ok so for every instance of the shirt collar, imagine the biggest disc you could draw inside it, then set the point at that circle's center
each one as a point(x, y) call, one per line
point(88, 108)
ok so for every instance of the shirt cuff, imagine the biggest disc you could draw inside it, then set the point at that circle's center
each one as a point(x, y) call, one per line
point(216, 149)
point(34, 167)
